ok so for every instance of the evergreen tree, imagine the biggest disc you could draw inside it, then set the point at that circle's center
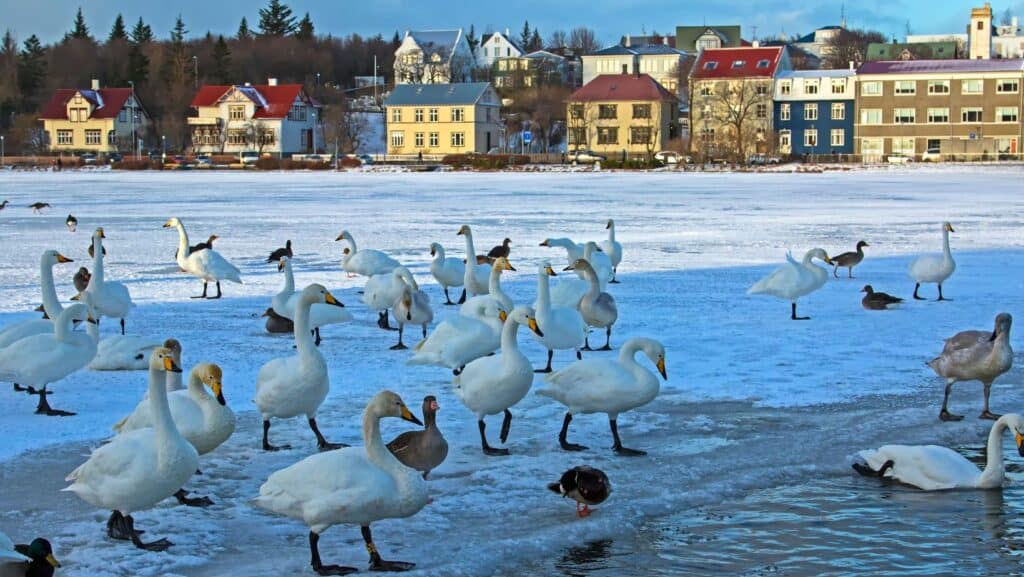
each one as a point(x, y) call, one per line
point(141, 33)
point(9, 94)
point(535, 42)
point(138, 64)
point(172, 71)
point(305, 30)
point(222, 61)
point(80, 31)
point(118, 32)
point(243, 30)
point(178, 32)
point(472, 39)
point(396, 41)
point(276, 19)
point(524, 36)
point(31, 68)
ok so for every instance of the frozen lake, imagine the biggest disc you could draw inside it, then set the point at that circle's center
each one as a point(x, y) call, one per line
point(753, 401)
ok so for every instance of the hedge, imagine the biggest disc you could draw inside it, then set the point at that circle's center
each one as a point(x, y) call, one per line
point(142, 164)
point(485, 161)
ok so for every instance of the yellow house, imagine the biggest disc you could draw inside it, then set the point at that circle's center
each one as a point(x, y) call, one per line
point(439, 119)
point(95, 120)
point(617, 113)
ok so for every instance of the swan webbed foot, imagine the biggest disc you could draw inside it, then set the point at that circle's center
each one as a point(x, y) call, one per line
point(184, 499)
point(544, 370)
point(43, 407)
point(945, 415)
point(391, 566)
point(334, 570)
point(606, 347)
point(129, 525)
point(586, 348)
point(321, 441)
point(867, 471)
point(20, 389)
point(274, 448)
point(917, 298)
point(572, 447)
point(325, 446)
point(495, 452)
point(627, 452)
point(941, 298)
point(614, 281)
point(986, 414)
point(398, 347)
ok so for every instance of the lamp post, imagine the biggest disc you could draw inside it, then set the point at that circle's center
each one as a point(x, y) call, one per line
point(163, 149)
point(131, 114)
point(195, 72)
point(2, 151)
point(318, 80)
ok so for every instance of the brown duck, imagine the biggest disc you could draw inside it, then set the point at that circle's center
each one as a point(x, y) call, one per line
point(422, 450)
point(502, 250)
point(876, 301)
point(277, 323)
point(286, 250)
point(849, 260)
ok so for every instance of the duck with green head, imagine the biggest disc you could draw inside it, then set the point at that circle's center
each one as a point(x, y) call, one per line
point(33, 560)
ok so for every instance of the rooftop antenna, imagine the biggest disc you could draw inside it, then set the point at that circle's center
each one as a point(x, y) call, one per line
point(754, 35)
point(842, 15)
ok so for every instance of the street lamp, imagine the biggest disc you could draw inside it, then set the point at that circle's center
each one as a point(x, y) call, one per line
point(131, 113)
point(163, 149)
point(318, 80)
point(195, 72)
point(2, 150)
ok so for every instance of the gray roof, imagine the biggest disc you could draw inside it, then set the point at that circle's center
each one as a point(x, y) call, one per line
point(840, 73)
point(436, 41)
point(437, 94)
point(647, 50)
point(940, 66)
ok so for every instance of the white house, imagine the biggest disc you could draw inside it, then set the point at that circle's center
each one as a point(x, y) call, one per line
point(660, 61)
point(433, 57)
point(497, 45)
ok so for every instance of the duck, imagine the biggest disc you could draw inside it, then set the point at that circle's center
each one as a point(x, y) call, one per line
point(42, 359)
point(138, 469)
point(422, 450)
point(382, 290)
point(613, 249)
point(207, 265)
point(37, 207)
point(930, 268)
point(71, 222)
point(573, 250)
point(350, 486)
point(120, 352)
point(600, 261)
point(501, 250)
point(563, 327)
point(491, 385)
point(975, 356)
point(205, 420)
point(107, 298)
point(877, 301)
point(412, 307)
point(285, 301)
point(448, 272)
point(201, 246)
point(849, 260)
point(364, 262)
point(287, 387)
point(51, 304)
point(277, 323)
point(33, 560)
point(473, 333)
point(597, 307)
point(585, 485)
point(494, 290)
point(81, 281)
point(286, 250)
point(937, 468)
point(794, 279)
point(476, 278)
point(607, 386)
point(4, 204)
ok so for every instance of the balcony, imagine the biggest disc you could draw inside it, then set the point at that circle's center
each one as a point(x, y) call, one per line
point(203, 121)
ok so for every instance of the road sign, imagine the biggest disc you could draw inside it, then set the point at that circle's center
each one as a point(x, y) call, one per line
point(527, 137)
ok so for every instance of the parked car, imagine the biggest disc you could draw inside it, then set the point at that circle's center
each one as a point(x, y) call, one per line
point(248, 157)
point(584, 157)
point(763, 159)
point(669, 157)
point(87, 158)
point(113, 157)
point(899, 159)
point(932, 155)
point(204, 160)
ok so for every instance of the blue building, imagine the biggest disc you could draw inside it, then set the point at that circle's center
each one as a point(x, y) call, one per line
point(814, 111)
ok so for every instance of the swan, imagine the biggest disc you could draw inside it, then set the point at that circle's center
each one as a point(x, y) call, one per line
point(600, 261)
point(364, 262)
point(494, 290)
point(490, 385)
point(613, 249)
point(474, 333)
point(477, 274)
point(975, 356)
point(573, 250)
point(107, 298)
point(351, 486)
point(120, 352)
point(207, 265)
point(936, 468)
point(46, 358)
point(794, 279)
point(138, 469)
point(932, 268)
point(598, 308)
point(284, 302)
point(563, 327)
point(51, 304)
point(607, 386)
point(382, 290)
point(33, 560)
point(412, 307)
point(448, 272)
point(848, 260)
point(297, 385)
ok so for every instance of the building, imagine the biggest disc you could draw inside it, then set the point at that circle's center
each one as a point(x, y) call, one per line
point(100, 120)
point(936, 50)
point(267, 118)
point(622, 114)
point(988, 41)
point(814, 111)
point(660, 62)
point(433, 57)
point(697, 38)
point(963, 108)
point(497, 45)
point(818, 42)
point(437, 119)
point(647, 39)
point(979, 33)
point(731, 100)
point(538, 68)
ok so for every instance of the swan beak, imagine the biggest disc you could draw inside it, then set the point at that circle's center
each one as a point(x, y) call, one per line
point(89, 319)
point(949, 227)
point(545, 243)
point(408, 416)
point(503, 316)
point(340, 236)
point(828, 260)
point(433, 252)
point(533, 327)
point(461, 232)
point(570, 267)
point(331, 300)
point(171, 366)
point(218, 392)
point(661, 368)
point(62, 258)
point(168, 224)
point(609, 225)
point(100, 233)
point(550, 271)
point(1020, 442)
point(508, 266)
point(52, 560)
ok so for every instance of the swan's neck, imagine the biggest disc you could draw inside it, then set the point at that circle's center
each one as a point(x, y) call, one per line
point(197, 391)
point(182, 243)
point(62, 326)
point(439, 254)
point(627, 356)
point(994, 454)
point(611, 234)
point(289, 278)
point(376, 450)
point(509, 340)
point(352, 243)
point(543, 293)
point(97, 262)
point(470, 253)
point(808, 260)
point(158, 406)
point(51, 304)
point(303, 338)
point(945, 245)
point(595, 287)
point(494, 283)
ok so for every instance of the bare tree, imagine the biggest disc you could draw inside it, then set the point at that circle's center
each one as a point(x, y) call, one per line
point(741, 108)
point(583, 40)
point(849, 46)
point(258, 135)
point(558, 39)
point(410, 68)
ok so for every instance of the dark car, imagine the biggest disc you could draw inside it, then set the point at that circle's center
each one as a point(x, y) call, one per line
point(114, 157)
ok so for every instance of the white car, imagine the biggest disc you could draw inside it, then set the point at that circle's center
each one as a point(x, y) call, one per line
point(585, 157)
point(668, 157)
point(899, 159)
point(932, 155)
point(249, 157)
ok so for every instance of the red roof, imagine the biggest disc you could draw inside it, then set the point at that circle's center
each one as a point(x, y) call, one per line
point(737, 63)
point(112, 99)
point(271, 101)
point(621, 87)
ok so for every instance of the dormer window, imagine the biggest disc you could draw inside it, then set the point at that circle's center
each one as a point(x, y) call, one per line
point(710, 65)
point(738, 64)
point(763, 64)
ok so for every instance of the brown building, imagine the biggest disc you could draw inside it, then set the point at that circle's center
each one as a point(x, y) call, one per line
point(622, 113)
point(963, 109)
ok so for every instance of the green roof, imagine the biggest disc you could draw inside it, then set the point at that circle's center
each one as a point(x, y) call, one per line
point(686, 36)
point(437, 94)
point(944, 50)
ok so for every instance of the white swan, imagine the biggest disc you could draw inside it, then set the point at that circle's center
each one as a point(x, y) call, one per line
point(8, 552)
point(412, 307)
point(607, 386)
point(39, 360)
point(794, 279)
point(563, 327)
point(297, 385)
point(364, 262)
point(107, 298)
point(936, 468)
point(613, 249)
point(490, 385)
point(284, 303)
point(600, 261)
point(137, 470)
point(473, 333)
point(476, 276)
point(120, 352)
point(207, 264)
point(573, 250)
point(448, 272)
point(382, 290)
point(351, 486)
point(597, 307)
point(51, 303)
point(494, 290)
point(932, 268)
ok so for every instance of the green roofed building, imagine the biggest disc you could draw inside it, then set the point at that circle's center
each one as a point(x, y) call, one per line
point(946, 50)
point(696, 38)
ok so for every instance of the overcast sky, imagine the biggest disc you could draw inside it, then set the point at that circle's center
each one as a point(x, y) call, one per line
point(50, 19)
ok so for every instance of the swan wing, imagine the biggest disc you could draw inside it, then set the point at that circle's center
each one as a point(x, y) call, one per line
point(41, 359)
point(121, 353)
point(782, 282)
point(455, 342)
point(209, 265)
point(568, 292)
point(588, 385)
point(17, 331)
point(927, 467)
point(369, 262)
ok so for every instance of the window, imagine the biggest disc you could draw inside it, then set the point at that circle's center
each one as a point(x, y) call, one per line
point(785, 140)
point(433, 115)
point(607, 135)
point(810, 138)
point(710, 65)
point(707, 133)
point(607, 111)
point(418, 140)
point(811, 87)
point(784, 111)
point(811, 111)
point(871, 116)
point(577, 135)
point(938, 87)
point(761, 89)
point(785, 87)
point(111, 137)
point(906, 87)
point(640, 135)
point(267, 136)
point(417, 115)
point(970, 114)
point(458, 115)
point(933, 144)
point(1008, 86)
point(397, 139)
point(938, 115)
point(458, 139)
point(435, 139)
point(708, 41)
point(738, 64)
point(396, 115)
point(903, 115)
point(981, 25)
point(763, 64)
point(93, 137)
point(838, 137)
point(641, 111)
point(1006, 114)
point(236, 112)
point(838, 86)
point(761, 111)
point(973, 86)
point(123, 115)
point(237, 137)
point(576, 111)
point(297, 113)
point(903, 146)
point(871, 88)
point(706, 90)
point(838, 111)
point(872, 146)
point(79, 114)
point(65, 137)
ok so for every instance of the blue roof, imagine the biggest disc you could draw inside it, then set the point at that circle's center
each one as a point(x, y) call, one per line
point(839, 73)
point(647, 50)
point(436, 41)
point(437, 94)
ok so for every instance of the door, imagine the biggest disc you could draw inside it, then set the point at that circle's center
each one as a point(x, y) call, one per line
point(488, 149)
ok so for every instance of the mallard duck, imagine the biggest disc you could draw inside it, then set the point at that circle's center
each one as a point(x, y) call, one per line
point(848, 260)
point(422, 450)
point(975, 356)
point(585, 485)
point(33, 560)
point(876, 301)
point(277, 323)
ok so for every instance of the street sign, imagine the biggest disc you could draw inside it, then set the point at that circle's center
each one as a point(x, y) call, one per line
point(973, 136)
point(527, 137)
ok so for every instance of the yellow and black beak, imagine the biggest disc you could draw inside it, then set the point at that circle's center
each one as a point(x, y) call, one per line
point(532, 323)
point(950, 228)
point(62, 258)
point(570, 267)
point(171, 366)
point(168, 224)
point(52, 561)
point(89, 319)
point(609, 225)
point(550, 271)
point(545, 243)
point(1020, 443)
point(331, 300)
point(661, 368)
point(408, 416)
point(100, 233)
point(827, 260)
point(502, 315)
point(508, 266)
point(218, 392)
point(340, 236)
point(461, 232)
point(433, 252)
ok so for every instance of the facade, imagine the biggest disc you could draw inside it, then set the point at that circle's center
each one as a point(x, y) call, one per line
point(967, 109)
point(622, 114)
point(539, 68)
point(697, 38)
point(267, 118)
point(436, 119)
point(433, 57)
point(497, 45)
point(979, 33)
point(817, 42)
point(100, 120)
point(936, 50)
point(814, 112)
point(982, 39)
point(659, 61)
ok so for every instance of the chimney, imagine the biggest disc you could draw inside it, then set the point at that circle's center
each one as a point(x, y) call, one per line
point(95, 83)
point(852, 65)
point(664, 40)
point(636, 68)
point(629, 41)
point(507, 33)
point(271, 81)
point(756, 44)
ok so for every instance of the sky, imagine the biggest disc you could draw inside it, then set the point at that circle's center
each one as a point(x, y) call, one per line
point(611, 19)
